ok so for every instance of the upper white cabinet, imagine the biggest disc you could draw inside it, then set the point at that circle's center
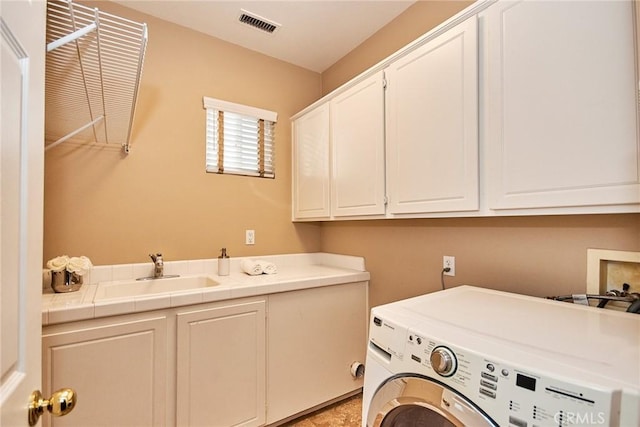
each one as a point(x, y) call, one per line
point(512, 107)
point(338, 155)
point(432, 125)
point(357, 149)
point(311, 164)
point(560, 105)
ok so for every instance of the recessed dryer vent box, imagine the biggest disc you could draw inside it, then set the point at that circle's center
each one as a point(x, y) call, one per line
point(610, 269)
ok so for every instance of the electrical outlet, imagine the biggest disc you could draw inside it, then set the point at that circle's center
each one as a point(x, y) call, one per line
point(450, 263)
point(250, 237)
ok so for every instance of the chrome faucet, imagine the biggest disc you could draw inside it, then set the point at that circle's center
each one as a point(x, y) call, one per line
point(158, 270)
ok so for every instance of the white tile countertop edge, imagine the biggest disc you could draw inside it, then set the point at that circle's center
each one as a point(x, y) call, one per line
point(295, 272)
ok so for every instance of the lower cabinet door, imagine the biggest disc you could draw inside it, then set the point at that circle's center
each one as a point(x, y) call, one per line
point(117, 369)
point(220, 365)
point(315, 335)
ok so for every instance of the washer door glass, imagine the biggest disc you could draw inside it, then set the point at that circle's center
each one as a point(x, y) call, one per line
point(414, 416)
point(417, 401)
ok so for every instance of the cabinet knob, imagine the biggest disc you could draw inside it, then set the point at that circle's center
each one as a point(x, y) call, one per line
point(60, 403)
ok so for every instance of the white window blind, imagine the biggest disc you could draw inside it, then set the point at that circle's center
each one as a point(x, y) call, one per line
point(240, 139)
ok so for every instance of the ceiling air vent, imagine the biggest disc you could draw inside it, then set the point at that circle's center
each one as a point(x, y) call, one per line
point(258, 22)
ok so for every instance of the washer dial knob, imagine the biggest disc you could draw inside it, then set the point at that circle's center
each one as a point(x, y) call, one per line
point(443, 361)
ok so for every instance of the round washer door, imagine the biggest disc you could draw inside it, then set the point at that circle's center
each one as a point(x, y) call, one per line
point(418, 401)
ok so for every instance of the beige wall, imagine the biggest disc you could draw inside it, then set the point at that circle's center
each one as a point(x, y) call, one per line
point(117, 209)
point(533, 255)
point(539, 256)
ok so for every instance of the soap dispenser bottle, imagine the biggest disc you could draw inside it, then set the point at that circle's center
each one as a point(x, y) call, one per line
point(223, 263)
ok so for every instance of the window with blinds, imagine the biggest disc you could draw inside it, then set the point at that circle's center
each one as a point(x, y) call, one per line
point(240, 139)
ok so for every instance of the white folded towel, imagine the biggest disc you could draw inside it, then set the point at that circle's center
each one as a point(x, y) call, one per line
point(251, 267)
point(267, 267)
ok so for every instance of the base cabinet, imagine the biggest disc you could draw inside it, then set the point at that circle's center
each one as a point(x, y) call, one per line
point(201, 365)
point(225, 346)
point(315, 335)
point(118, 370)
point(242, 362)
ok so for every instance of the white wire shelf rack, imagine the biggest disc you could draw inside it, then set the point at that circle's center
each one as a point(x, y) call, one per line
point(93, 70)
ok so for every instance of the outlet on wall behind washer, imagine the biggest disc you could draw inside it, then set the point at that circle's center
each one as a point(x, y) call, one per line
point(450, 263)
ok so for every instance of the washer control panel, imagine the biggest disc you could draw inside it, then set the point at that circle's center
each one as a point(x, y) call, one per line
point(512, 395)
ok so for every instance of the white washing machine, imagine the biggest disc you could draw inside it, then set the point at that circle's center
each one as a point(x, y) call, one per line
point(476, 357)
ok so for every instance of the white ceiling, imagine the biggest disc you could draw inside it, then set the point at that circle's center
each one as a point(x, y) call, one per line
point(314, 34)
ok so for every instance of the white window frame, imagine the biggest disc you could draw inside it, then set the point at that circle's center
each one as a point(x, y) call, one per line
point(215, 152)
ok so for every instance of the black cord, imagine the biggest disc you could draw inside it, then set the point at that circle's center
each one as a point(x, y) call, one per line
point(444, 270)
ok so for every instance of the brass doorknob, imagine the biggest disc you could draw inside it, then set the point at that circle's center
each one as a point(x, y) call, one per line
point(60, 403)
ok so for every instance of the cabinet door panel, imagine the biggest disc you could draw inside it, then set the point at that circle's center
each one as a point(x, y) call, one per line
point(357, 141)
point(311, 164)
point(314, 337)
point(221, 366)
point(118, 372)
point(561, 104)
point(432, 125)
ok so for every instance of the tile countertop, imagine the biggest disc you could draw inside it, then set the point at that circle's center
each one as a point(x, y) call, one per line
point(295, 271)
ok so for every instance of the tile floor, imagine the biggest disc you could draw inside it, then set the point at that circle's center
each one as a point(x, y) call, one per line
point(346, 413)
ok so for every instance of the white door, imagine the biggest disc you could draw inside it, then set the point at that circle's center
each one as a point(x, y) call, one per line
point(22, 45)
